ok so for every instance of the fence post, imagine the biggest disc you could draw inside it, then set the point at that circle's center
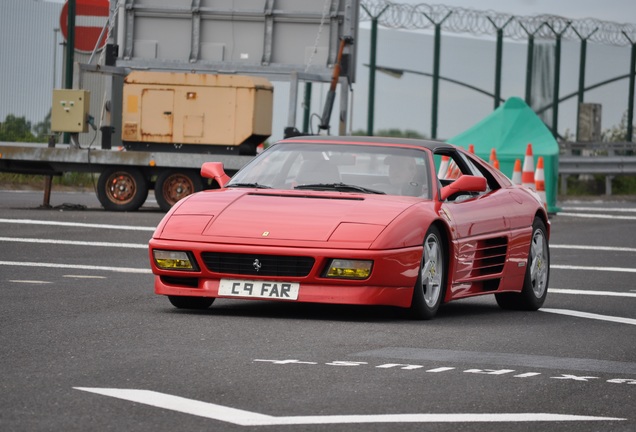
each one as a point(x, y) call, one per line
point(498, 58)
point(436, 57)
point(372, 60)
point(630, 104)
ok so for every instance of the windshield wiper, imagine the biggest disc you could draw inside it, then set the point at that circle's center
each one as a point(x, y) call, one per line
point(340, 187)
point(249, 185)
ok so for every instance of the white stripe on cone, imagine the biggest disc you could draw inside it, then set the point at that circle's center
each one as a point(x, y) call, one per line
point(539, 180)
point(527, 175)
point(516, 173)
point(443, 167)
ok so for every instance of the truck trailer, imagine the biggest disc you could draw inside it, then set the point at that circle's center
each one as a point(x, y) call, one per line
point(186, 83)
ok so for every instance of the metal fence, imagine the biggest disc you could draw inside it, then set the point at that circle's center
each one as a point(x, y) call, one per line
point(606, 158)
point(531, 28)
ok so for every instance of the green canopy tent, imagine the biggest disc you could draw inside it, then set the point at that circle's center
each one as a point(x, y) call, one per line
point(509, 129)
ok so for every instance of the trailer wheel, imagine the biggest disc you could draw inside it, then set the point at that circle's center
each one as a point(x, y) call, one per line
point(172, 185)
point(122, 189)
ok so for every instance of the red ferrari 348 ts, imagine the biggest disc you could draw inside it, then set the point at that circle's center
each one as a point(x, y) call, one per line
point(356, 220)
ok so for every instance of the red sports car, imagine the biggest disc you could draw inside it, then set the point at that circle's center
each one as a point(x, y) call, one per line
point(356, 220)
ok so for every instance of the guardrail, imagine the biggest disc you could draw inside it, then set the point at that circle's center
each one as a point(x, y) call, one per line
point(608, 158)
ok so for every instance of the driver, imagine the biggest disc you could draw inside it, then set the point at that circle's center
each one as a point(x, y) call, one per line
point(403, 176)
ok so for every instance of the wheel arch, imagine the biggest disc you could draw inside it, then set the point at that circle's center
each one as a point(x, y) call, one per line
point(445, 232)
point(543, 216)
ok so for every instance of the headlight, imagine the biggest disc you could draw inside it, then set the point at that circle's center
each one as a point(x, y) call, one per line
point(349, 269)
point(173, 260)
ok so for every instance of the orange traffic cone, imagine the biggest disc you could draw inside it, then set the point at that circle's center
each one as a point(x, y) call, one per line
point(443, 167)
point(493, 157)
point(539, 181)
point(495, 164)
point(516, 173)
point(471, 148)
point(453, 171)
point(527, 175)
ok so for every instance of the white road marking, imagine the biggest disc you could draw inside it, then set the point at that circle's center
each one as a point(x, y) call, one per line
point(601, 209)
point(249, 418)
point(596, 216)
point(588, 315)
point(84, 277)
point(609, 269)
point(75, 266)
point(77, 224)
point(74, 242)
point(591, 292)
point(35, 282)
point(593, 248)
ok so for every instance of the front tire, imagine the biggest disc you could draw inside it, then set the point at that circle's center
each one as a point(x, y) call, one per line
point(430, 287)
point(535, 284)
point(122, 189)
point(197, 303)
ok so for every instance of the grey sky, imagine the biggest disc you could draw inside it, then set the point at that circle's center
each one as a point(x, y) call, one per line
point(405, 103)
point(619, 11)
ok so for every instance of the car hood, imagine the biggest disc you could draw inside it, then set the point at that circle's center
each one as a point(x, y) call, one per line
point(251, 216)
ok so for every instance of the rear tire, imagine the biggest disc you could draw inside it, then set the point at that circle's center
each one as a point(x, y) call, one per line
point(122, 189)
point(173, 185)
point(198, 303)
point(430, 287)
point(535, 284)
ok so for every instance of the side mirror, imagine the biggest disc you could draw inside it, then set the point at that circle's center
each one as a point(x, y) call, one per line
point(215, 171)
point(465, 183)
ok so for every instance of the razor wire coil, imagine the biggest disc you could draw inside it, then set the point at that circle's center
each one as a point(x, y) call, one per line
point(486, 23)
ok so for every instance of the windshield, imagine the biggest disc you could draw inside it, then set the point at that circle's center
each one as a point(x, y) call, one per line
point(339, 167)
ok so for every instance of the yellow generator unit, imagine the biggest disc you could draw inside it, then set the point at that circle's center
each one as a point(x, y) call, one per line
point(196, 110)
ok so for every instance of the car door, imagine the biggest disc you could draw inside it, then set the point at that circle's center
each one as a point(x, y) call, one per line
point(480, 228)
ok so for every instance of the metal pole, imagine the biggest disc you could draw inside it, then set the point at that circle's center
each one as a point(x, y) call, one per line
point(70, 44)
point(69, 52)
point(372, 57)
point(557, 78)
point(530, 61)
point(630, 101)
point(498, 67)
point(498, 59)
point(582, 59)
point(436, 63)
point(55, 31)
point(529, 66)
point(582, 64)
point(630, 106)
point(435, 97)
point(306, 107)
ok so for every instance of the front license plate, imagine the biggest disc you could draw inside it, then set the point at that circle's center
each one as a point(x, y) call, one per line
point(259, 289)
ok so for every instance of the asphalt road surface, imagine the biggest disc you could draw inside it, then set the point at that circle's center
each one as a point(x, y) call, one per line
point(87, 345)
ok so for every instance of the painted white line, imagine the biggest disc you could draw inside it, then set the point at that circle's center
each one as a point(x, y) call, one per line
point(35, 282)
point(75, 266)
point(249, 418)
point(83, 277)
point(77, 224)
point(601, 209)
point(609, 269)
point(590, 316)
point(593, 248)
point(596, 216)
point(73, 242)
point(591, 292)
